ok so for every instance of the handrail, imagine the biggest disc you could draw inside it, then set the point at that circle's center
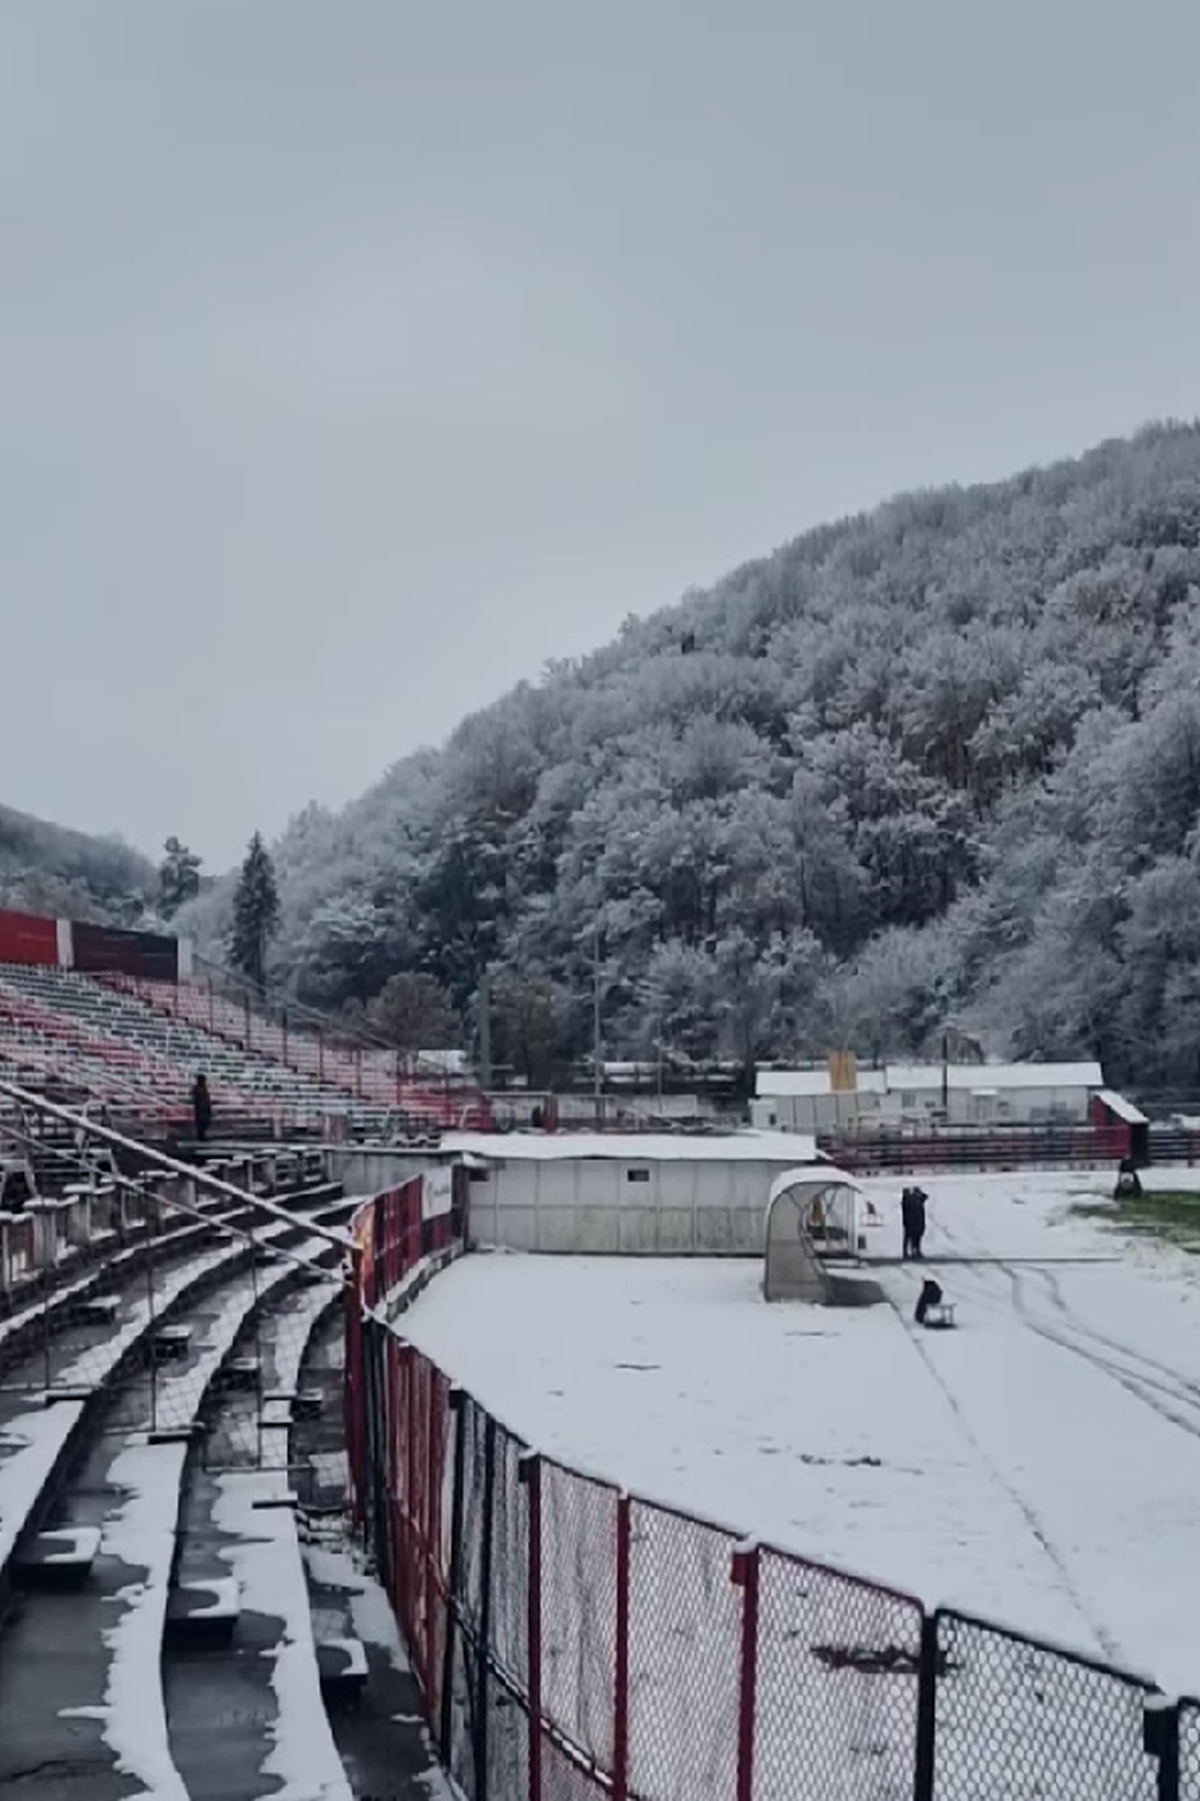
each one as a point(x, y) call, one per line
point(160, 1159)
point(145, 1192)
point(295, 1010)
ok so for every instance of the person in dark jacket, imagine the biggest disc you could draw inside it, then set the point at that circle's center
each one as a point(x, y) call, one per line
point(930, 1296)
point(201, 1106)
point(912, 1218)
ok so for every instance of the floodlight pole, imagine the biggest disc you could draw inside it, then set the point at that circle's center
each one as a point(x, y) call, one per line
point(597, 1075)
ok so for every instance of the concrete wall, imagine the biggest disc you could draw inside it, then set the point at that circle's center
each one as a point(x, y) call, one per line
point(364, 1169)
point(703, 1208)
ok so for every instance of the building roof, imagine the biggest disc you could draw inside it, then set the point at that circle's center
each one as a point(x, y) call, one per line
point(785, 1148)
point(771, 1084)
point(1123, 1109)
point(982, 1077)
point(899, 1078)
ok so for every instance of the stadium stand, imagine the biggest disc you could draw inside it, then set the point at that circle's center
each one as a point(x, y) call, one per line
point(133, 1043)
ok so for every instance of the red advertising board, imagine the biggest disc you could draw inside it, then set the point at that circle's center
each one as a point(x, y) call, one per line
point(24, 938)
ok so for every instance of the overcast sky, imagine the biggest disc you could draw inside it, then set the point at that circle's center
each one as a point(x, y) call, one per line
point(358, 356)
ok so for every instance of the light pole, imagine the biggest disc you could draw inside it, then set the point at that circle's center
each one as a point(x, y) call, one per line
point(597, 1075)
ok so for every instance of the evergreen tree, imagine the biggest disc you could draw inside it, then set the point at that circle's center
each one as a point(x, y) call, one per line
point(255, 914)
point(178, 877)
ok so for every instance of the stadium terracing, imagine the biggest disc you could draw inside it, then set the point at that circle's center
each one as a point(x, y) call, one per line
point(105, 1019)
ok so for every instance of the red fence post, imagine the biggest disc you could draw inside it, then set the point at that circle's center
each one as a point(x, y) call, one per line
point(620, 1786)
point(744, 1573)
point(354, 1377)
point(455, 1402)
point(530, 1469)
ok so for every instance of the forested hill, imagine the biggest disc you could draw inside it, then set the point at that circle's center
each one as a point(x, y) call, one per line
point(938, 763)
point(49, 869)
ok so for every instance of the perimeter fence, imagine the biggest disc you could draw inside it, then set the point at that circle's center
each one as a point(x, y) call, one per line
point(572, 1641)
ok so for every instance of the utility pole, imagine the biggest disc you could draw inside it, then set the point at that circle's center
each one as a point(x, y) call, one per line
point(597, 1077)
point(946, 1074)
point(485, 1034)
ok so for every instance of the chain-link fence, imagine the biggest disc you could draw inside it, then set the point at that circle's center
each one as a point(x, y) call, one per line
point(1188, 1730)
point(1027, 1720)
point(572, 1641)
point(685, 1642)
point(836, 1685)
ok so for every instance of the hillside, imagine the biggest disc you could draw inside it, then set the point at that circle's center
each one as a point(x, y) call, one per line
point(46, 868)
point(936, 764)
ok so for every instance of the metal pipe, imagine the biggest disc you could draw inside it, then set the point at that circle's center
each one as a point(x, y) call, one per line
point(160, 1159)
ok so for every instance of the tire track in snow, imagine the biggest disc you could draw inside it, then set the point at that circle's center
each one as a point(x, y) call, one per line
point(1037, 1527)
point(1174, 1399)
point(1165, 1390)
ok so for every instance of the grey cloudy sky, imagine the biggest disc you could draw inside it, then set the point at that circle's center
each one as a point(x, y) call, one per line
point(357, 356)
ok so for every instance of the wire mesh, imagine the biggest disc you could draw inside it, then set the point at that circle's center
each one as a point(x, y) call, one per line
point(467, 1663)
point(507, 1742)
point(1189, 1750)
point(564, 1778)
point(422, 1460)
point(438, 1497)
point(684, 1658)
point(508, 1615)
point(837, 1667)
point(579, 1609)
point(1025, 1720)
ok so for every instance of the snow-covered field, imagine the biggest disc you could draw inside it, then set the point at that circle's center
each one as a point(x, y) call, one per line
point(1041, 1464)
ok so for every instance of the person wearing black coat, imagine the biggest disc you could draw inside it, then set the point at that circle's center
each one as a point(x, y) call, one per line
point(201, 1106)
point(912, 1219)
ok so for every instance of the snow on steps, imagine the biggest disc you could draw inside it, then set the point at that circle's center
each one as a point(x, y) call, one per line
point(145, 1535)
point(61, 1558)
point(41, 1441)
point(256, 1510)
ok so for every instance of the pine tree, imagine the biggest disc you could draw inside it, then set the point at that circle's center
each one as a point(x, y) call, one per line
point(178, 877)
point(255, 913)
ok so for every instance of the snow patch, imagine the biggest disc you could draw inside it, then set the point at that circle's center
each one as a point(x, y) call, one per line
point(265, 1558)
point(370, 1610)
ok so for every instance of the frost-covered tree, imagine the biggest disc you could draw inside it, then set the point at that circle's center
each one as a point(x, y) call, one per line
point(939, 762)
point(178, 877)
point(413, 1012)
point(255, 914)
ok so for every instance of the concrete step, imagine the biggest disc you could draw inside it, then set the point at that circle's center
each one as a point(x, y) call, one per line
point(342, 1669)
point(203, 1613)
point(61, 1558)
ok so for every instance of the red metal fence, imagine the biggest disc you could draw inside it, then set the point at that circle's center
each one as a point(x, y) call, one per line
point(574, 1642)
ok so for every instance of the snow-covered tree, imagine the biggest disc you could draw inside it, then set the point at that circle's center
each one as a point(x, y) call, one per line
point(178, 877)
point(255, 914)
point(413, 1012)
point(939, 762)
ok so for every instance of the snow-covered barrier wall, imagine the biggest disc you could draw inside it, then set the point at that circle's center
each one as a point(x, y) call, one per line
point(571, 1640)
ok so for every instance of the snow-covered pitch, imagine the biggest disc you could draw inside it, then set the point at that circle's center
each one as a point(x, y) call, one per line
point(1040, 1464)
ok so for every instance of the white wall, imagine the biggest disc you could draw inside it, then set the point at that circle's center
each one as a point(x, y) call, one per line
point(708, 1207)
point(842, 1112)
point(371, 1170)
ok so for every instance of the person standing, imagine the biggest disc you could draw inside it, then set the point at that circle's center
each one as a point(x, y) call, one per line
point(916, 1226)
point(906, 1222)
point(201, 1106)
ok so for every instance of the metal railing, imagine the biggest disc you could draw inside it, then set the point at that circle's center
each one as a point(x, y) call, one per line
point(571, 1641)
